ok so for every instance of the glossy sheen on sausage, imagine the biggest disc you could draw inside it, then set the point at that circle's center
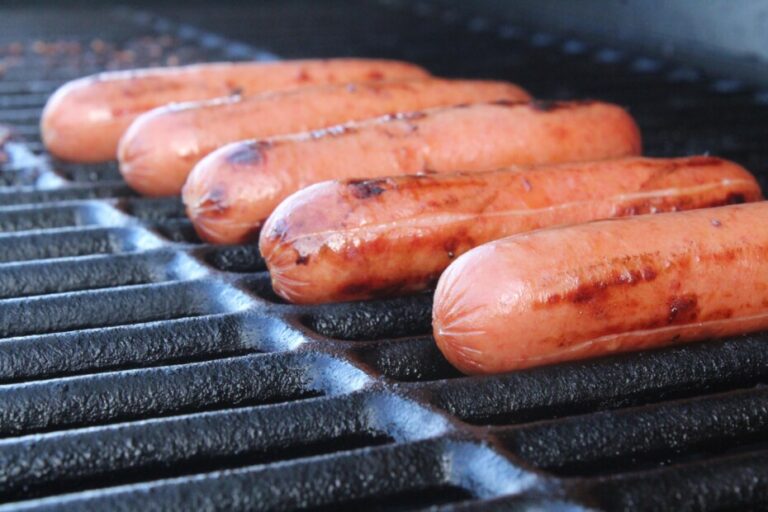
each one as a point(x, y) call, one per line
point(605, 287)
point(85, 118)
point(162, 146)
point(233, 190)
point(362, 239)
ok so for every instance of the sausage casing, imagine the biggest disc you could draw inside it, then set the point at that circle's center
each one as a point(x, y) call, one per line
point(362, 239)
point(162, 146)
point(85, 118)
point(605, 287)
point(234, 189)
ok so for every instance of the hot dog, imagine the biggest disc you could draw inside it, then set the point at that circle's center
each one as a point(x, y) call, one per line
point(362, 239)
point(604, 287)
point(233, 190)
point(85, 118)
point(160, 148)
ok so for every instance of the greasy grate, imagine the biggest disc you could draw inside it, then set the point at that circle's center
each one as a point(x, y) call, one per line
point(142, 369)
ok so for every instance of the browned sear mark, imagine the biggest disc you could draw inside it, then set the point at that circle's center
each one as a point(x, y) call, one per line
point(375, 75)
point(683, 309)
point(252, 153)
point(589, 291)
point(363, 189)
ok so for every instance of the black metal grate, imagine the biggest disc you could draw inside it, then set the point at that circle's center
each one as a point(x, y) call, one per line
point(141, 369)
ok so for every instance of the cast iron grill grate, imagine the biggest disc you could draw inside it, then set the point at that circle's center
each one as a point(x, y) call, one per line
point(141, 369)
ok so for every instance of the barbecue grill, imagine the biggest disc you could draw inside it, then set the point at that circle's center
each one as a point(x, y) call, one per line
point(143, 369)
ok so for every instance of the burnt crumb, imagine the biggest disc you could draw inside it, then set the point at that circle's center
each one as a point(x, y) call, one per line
point(252, 153)
point(302, 259)
point(683, 309)
point(461, 105)
point(735, 199)
point(363, 189)
point(236, 91)
point(716, 223)
point(527, 185)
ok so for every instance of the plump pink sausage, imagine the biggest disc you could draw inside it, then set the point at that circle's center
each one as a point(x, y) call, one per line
point(362, 239)
point(85, 118)
point(162, 146)
point(611, 286)
point(234, 189)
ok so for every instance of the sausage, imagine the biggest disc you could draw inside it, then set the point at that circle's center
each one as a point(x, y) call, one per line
point(605, 287)
point(363, 239)
point(160, 148)
point(85, 118)
point(234, 189)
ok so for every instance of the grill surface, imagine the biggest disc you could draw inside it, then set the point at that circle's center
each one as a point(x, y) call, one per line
point(141, 369)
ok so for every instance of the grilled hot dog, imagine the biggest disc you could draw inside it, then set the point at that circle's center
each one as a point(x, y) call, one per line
point(360, 239)
point(604, 287)
point(160, 148)
point(233, 190)
point(85, 118)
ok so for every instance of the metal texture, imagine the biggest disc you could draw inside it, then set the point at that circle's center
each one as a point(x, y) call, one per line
point(143, 370)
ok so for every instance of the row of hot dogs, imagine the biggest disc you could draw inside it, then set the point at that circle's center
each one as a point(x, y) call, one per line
point(371, 178)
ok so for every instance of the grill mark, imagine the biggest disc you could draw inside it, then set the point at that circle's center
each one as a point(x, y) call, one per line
point(375, 74)
point(376, 288)
point(673, 204)
point(590, 291)
point(250, 154)
point(363, 189)
point(683, 309)
point(673, 166)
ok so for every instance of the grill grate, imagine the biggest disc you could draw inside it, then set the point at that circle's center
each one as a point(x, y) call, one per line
point(141, 369)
